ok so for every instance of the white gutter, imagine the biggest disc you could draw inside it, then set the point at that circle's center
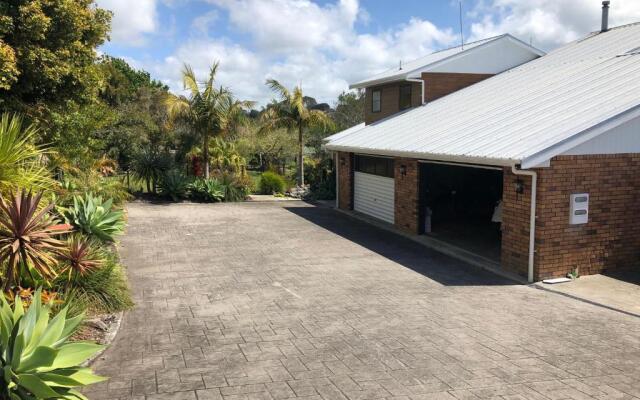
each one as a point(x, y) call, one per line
point(532, 217)
point(420, 81)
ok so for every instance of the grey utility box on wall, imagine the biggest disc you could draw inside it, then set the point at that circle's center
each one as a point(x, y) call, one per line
point(579, 209)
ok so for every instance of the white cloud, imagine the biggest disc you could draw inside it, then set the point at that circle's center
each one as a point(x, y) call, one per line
point(202, 22)
point(291, 25)
point(132, 20)
point(548, 23)
point(319, 46)
point(300, 42)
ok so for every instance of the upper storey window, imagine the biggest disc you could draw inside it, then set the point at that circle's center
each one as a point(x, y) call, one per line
point(376, 100)
point(405, 96)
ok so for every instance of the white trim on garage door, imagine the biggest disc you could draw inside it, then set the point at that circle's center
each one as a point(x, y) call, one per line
point(374, 195)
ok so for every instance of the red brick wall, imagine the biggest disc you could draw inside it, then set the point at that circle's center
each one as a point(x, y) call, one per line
point(406, 195)
point(389, 100)
point(438, 84)
point(515, 223)
point(345, 181)
point(611, 238)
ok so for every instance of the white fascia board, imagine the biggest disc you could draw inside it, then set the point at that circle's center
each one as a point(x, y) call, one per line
point(580, 137)
point(425, 156)
point(394, 78)
point(524, 45)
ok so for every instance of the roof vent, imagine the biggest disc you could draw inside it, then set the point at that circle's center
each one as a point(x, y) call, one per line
point(605, 16)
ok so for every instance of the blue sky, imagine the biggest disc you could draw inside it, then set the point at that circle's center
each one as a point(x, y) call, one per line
point(325, 44)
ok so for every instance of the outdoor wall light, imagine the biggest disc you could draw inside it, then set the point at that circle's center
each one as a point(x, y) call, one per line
point(403, 170)
point(519, 186)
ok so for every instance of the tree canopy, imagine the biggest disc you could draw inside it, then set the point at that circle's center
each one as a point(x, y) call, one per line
point(47, 51)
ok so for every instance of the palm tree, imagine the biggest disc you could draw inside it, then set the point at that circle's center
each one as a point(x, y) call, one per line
point(21, 163)
point(208, 110)
point(291, 113)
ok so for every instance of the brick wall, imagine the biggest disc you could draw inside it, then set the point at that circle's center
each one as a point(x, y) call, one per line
point(515, 223)
point(406, 195)
point(611, 238)
point(345, 181)
point(438, 84)
point(390, 100)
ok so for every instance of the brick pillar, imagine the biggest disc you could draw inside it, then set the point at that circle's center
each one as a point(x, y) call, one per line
point(345, 181)
point(515, 223)
point(406, 173)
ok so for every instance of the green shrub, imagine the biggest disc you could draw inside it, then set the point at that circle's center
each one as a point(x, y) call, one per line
point(36, 360)
point(102, 290)
point(93, 217)
point(271, 183)
point(209, 190)
point(80, 182)
point(235, 188)
point(173, 184)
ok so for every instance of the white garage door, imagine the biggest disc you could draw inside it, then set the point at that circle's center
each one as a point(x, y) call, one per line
point(374, 195)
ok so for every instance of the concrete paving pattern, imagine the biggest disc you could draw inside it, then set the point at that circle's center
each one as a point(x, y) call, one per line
point(286, 300)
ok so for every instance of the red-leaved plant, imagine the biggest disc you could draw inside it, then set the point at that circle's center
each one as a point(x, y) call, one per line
point(80, 257)
point(27, 238)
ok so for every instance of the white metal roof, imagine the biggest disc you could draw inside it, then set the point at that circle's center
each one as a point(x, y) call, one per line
point(412, 69)
point(525, 115)
point(344, 132)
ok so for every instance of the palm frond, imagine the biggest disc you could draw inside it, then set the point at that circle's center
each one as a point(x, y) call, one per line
point(189, 80)
point(280, 89)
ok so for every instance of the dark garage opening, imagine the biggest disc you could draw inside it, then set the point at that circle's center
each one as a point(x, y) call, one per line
point(460, 205)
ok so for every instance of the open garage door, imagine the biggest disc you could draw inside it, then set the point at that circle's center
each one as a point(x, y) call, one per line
point(461, 205)
point(374, 187)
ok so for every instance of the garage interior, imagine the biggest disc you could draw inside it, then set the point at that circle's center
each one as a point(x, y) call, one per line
point(461, 205)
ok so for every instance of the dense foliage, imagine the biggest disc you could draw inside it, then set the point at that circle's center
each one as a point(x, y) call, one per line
point(272, 183)
point(47, 52)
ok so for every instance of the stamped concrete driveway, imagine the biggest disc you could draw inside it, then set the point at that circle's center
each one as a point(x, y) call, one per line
point(286, 300)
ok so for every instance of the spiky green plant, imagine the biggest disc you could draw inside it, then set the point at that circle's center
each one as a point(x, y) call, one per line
point(20, 161)
point(173, 184)
point(27, 239)
point(209, 190)
point(92, 216)
point(36, 360)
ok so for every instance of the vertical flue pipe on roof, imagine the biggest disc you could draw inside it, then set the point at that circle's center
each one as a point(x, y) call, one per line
point(605, 16)
point(532, 217)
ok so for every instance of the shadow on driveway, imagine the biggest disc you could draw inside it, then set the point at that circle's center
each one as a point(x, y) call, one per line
point(430, 263)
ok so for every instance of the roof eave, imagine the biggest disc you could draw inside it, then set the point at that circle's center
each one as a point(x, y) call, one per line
point(501, 162)
point(580, 137)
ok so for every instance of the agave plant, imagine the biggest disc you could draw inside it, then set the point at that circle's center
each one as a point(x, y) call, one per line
point(80, 257)
point(207, 190)
point(94, 217)
point(35, 358)
point(27, 238)
point(173, 184)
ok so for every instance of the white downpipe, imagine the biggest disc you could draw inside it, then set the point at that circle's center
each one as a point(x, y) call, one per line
point(532, 217)
point(336, 165)
point(421, 82)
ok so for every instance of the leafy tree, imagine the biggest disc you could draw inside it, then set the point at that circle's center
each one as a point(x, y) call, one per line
point(47, 51)
point(349, 110)
point(122, 82)
point(291, 113)
point(208, 111)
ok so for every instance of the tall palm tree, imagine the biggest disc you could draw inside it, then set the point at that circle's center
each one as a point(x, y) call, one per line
point(291, 113)
point(208, 110)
